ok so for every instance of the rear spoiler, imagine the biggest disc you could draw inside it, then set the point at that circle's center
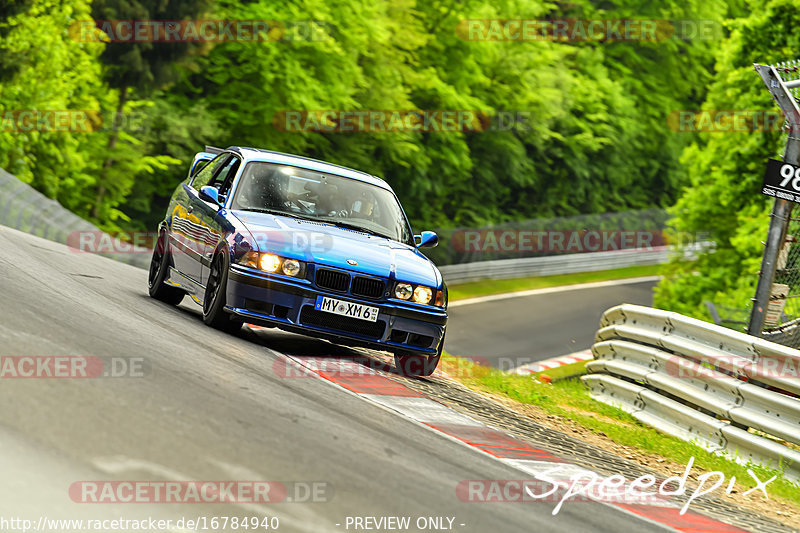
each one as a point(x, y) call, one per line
point(213, 150)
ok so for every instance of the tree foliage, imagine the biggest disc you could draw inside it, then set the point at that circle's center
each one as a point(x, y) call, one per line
point(593, 136)
point(722, 198)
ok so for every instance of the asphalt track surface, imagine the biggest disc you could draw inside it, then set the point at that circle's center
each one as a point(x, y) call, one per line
point(512, 332)
point(211, 407)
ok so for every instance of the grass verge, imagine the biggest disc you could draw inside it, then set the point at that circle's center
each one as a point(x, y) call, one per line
point(499, 286)
point(570, 400)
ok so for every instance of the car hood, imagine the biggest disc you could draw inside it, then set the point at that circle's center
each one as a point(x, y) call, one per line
point(325, 244)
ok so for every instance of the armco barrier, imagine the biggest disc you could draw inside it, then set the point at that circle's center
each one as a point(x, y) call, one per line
point(701, 382)
point(24, 208)
point(565, 263)
point(552, 264)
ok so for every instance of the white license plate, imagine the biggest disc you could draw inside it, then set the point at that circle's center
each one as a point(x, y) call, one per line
point(344, 308)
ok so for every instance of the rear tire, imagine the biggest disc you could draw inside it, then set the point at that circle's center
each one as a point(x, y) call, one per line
point(159, 268)
point(214, 314)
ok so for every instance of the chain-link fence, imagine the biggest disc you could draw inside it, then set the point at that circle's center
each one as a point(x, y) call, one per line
point(776, 307)
point(783, 323)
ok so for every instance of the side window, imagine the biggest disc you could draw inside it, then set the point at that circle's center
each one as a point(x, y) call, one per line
point(222, 181)
point(205, 176)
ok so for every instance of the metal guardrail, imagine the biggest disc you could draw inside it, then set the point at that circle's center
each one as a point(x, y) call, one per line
point(702, 383)
point(24, 208)
point(567, 263)
point(553, 264)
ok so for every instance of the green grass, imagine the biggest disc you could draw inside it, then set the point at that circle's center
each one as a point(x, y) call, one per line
point(499, 286)
point(563, 372)
point(570, 399)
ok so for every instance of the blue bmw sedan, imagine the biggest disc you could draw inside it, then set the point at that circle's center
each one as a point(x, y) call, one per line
point(309, 247)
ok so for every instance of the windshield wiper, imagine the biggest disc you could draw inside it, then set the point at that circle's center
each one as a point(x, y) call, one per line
point(275, 212)
point(356, 227)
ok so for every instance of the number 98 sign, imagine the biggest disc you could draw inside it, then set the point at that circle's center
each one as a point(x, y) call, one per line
point(782, 180)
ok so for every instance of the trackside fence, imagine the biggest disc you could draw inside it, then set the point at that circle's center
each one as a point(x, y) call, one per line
point(24, 208)
point(731, 393)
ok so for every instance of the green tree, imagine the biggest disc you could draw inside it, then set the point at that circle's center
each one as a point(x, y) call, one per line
point(141, 66)
point(723, 195)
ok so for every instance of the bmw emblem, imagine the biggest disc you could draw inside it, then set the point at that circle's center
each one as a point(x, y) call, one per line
point(352, 262)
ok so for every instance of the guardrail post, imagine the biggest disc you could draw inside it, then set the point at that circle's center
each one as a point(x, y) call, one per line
point(779, 220)
point(782, 209)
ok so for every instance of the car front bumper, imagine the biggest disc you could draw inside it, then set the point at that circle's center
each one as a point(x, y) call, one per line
point(278, 301)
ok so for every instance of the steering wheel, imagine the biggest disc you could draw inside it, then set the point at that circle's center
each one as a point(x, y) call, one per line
point(295, 199)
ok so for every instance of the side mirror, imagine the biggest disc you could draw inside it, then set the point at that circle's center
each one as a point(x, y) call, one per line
point(210, 194)
point(426, 239)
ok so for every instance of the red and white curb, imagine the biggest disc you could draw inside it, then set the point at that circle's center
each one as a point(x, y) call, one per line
point(555, 362)
point(520, 455)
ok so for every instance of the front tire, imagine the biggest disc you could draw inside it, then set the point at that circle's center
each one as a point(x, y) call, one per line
point(159, 268)
point(418, 365)
point(214, 314)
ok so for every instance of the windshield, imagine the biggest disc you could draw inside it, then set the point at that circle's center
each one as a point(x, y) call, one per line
point(322, 197)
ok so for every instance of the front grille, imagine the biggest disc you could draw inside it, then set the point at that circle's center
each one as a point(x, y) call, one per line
point(312, 317)
point(332, 279)
point(367, 287)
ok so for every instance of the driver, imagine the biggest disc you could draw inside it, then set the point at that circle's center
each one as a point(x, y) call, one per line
point(331, 201)
point(364, 206)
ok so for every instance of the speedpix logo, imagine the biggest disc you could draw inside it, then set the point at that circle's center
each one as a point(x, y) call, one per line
point(558, 485)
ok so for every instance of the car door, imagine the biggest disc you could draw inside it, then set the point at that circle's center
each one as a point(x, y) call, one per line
point(212, 217)
point(187, 232)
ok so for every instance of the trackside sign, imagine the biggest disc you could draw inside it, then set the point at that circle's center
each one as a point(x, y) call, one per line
point(782, 180)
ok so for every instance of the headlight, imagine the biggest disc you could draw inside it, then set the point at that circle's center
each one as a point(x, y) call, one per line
point(273, 264)
point(291, 267)
point(269, 263)
point(419, 294)
point(423, 295)
point(403, 291)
